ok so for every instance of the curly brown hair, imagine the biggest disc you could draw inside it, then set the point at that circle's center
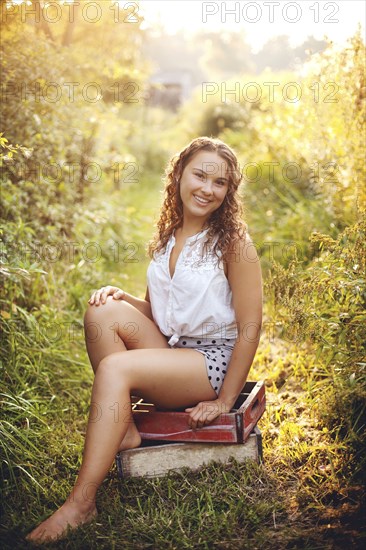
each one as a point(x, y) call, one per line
point(225, 223)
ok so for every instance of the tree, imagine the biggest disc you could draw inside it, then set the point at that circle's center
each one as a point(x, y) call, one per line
point(225, 54)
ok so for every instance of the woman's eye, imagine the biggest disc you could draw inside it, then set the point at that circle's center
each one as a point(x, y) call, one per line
point(199, 175)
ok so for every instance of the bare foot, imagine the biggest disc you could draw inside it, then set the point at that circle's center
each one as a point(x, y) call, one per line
point(69, 515)
point(132, 439)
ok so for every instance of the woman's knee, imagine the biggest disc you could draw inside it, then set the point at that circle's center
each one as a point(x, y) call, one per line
point(113, 370)
point(114, 363)
point(111, 307)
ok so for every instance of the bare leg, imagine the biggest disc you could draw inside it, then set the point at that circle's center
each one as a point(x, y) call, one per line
point(117, 326)
point(169, 377)
point(114, 327)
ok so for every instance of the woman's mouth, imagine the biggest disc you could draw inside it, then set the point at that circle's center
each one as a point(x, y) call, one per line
point(201, 201)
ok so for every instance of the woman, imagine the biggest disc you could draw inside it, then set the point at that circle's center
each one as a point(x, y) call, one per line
point(191, 342)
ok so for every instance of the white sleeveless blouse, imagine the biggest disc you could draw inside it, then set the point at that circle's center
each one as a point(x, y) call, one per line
point(197, 301)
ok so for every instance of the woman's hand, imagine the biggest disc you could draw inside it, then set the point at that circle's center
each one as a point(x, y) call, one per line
point(205, 412)
point(100, 296)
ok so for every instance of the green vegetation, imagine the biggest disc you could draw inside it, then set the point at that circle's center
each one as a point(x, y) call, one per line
point(64, 234)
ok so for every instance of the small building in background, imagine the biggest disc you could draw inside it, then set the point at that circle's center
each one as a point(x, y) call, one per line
point(169, 89)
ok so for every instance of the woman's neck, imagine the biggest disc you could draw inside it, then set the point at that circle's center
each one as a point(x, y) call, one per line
point(189, 229)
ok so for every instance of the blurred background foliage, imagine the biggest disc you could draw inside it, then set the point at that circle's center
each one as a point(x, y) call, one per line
point(81, 188)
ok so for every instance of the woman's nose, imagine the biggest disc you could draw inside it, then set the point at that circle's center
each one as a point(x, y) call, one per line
point(207, 187)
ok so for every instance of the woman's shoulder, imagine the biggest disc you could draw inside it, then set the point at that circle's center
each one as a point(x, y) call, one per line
point(243, 241)
point(241, 249)
point(243, 253)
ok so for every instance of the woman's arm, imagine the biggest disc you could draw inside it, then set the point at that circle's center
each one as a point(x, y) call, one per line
point(142, 305)
point(245, 279)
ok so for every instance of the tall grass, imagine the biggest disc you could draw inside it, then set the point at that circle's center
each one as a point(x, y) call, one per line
point(307, 494)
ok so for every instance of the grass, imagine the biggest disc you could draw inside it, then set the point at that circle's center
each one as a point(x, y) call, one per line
point(299, 497)
point(303, 496)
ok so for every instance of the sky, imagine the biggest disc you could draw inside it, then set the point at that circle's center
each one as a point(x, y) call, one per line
point(258, 19)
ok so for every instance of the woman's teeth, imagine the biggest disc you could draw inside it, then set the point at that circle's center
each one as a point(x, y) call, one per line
point(200, 200)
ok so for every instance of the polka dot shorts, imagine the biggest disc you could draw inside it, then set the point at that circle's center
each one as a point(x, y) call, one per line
point(217, 352)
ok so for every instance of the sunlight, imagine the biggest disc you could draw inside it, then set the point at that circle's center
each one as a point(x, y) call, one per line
point(254, 19)
point(259, 21)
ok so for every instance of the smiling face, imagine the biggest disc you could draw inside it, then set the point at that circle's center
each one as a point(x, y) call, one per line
point(203, 185)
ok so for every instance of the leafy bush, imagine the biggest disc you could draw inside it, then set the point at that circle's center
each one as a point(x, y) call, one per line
point(325, 305)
